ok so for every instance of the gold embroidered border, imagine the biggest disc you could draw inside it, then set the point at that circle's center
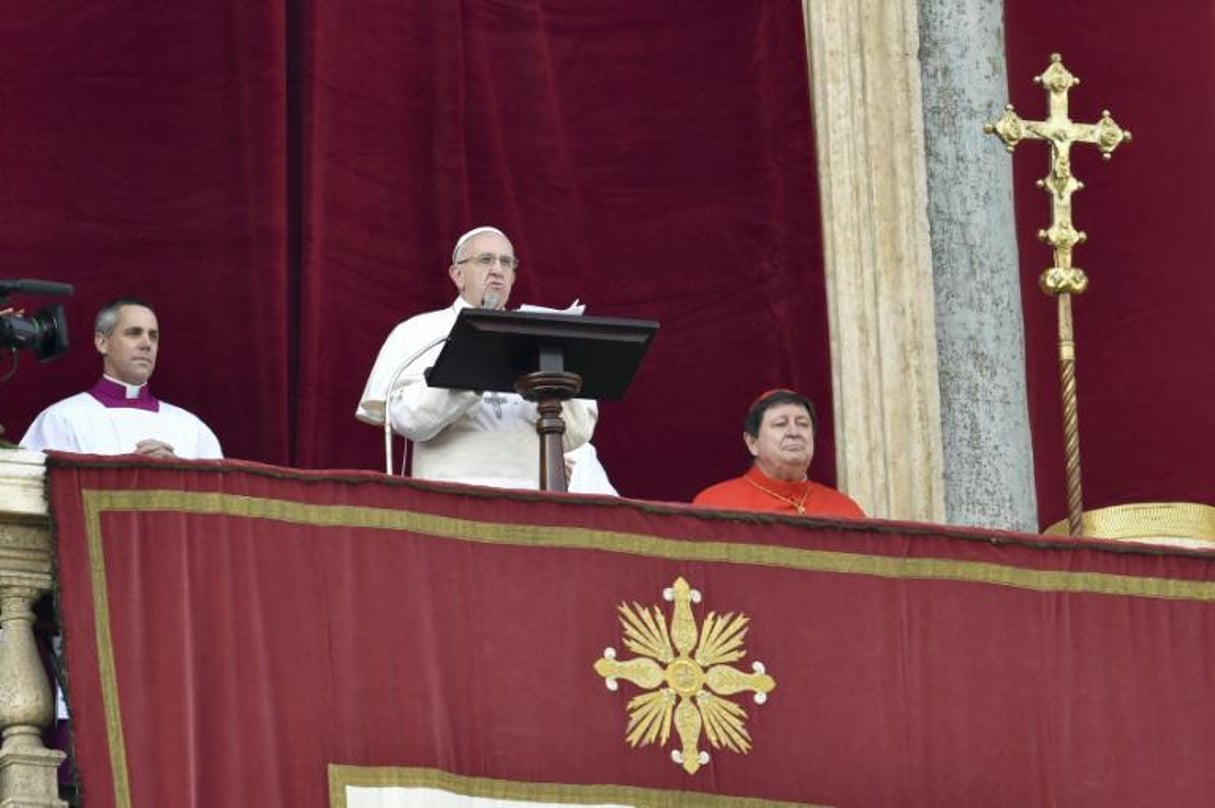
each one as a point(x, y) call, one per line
point(105, 649)
point(341, 776)
point(97, 501)
point(648, 546)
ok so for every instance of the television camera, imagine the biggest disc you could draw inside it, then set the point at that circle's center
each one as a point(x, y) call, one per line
point(44, 332)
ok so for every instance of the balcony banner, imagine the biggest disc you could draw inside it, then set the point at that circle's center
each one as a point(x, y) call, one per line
point(238, 634)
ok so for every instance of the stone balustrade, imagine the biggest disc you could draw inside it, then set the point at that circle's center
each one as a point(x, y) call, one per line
point(28, 770)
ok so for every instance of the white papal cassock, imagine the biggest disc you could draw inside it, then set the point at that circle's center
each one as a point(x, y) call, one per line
point(460, 435)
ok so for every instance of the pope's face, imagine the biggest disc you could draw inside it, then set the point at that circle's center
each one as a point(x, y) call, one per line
point(784, 446)
point(475, 278)
point(129, 351)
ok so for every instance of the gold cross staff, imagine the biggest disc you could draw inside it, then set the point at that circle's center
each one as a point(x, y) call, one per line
point(1063, 280)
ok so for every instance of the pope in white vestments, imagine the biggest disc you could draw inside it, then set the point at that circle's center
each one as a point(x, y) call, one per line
point(587, 474)
point(461, 435)
point(119, 414)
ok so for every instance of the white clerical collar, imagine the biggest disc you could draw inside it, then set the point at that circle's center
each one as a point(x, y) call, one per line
point(130, 391)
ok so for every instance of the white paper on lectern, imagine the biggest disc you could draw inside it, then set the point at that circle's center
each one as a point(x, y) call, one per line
point(577, 307)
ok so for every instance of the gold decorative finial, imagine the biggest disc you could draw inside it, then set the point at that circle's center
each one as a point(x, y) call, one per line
point(685, 673)
point(1062, 280)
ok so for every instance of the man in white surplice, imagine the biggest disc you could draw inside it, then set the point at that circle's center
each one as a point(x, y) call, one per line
point(461, 435)
point(119, 415)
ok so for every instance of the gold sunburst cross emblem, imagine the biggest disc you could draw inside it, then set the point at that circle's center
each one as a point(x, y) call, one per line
point(670, 671)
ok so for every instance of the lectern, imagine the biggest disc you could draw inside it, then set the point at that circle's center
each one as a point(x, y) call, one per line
point(546, 358)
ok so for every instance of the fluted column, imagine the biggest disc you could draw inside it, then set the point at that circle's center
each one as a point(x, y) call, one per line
point(865, 82)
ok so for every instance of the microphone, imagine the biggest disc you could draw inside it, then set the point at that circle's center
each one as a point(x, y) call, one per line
point(490, 300)
point(392, 383)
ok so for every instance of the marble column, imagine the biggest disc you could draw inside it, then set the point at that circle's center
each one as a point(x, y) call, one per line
point(921, 260)
point(865, 83)
point(979, 327)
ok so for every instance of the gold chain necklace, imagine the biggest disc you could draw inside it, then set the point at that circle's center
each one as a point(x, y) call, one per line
point(798, 504)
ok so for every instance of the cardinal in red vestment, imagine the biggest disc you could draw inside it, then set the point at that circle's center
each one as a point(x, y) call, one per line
point(779, 434)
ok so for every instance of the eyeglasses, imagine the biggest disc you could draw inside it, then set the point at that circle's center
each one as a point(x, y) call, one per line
point(486, 261)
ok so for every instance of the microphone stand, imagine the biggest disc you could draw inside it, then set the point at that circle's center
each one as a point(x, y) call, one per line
point(392, 383)
point(489, 300)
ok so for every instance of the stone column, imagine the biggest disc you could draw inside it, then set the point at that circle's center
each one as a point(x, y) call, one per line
point(979, 328)
point(865, 81)
point(28, 770)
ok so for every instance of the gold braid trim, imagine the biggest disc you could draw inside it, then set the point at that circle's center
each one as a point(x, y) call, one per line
point(1189, 521)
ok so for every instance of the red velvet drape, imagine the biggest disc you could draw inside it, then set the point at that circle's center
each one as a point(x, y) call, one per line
point(142, 152)
point(284, 182)
point(1144, 362)
point(232, 630)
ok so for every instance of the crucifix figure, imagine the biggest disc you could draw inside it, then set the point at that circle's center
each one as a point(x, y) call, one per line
point(1062, 280)
point(496, 399)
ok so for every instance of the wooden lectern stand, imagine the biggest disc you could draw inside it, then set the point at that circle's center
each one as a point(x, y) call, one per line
point(546, 358)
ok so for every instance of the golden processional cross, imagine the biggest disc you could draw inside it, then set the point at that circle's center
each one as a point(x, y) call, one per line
point(1063, 280)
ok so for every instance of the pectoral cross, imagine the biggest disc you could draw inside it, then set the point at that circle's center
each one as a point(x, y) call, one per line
point(497, 399)
point(1063, 280)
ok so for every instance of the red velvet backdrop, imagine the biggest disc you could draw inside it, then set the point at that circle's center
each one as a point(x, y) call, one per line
point(1144, 361)
point(142, 152)
point(284, 183)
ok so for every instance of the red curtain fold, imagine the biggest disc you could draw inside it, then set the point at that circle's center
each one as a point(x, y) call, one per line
point(262, 624)
point(285, 181)
point(655, 161)
point(142, 152)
